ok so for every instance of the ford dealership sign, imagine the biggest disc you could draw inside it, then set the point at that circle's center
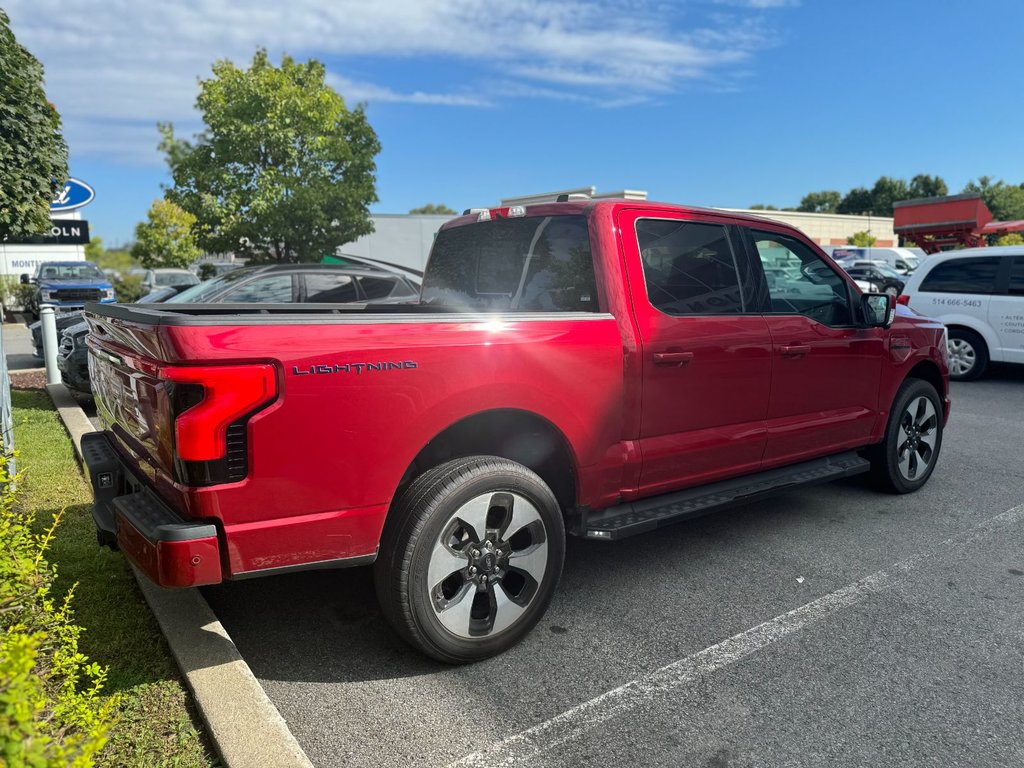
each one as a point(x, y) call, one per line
point(75, 194)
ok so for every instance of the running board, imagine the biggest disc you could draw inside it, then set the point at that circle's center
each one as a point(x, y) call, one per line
point(632, 518)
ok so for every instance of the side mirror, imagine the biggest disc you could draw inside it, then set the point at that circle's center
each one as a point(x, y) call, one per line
point(25, 280)
point(879, 309)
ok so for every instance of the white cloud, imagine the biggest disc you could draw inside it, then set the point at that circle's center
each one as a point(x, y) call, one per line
point(115, 68)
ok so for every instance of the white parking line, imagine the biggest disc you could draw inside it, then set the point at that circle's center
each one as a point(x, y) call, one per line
point(524, 747)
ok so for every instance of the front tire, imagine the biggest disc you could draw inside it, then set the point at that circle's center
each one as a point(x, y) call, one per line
point(469, 558)
point(905, 459)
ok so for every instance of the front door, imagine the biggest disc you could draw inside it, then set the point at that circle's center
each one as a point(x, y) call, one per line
point(705, 347)
point(827, 369)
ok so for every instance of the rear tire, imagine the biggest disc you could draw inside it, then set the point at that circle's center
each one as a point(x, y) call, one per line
point(905, 459)
point(968, 355)
point(469, 558)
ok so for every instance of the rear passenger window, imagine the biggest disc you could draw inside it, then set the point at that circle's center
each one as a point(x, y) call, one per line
point(963, 276)
point(1017, 277)
point(327, 288)
point(689, 267)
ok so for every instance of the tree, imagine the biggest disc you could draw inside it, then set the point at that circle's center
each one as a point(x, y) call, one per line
point(283, 171)
point(861, 240)
point(762, 207)
point(855, 202)
point(825, 201)
point(923, 185)
point(887, 191)
point(33, 155)
point(1010, 238)
point(94, 249)
point(433, 210)
point(166, 238)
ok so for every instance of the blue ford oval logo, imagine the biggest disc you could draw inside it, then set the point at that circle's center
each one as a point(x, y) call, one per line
point(74, 194)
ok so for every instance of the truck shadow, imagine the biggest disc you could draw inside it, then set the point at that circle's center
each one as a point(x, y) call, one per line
point(325, 626)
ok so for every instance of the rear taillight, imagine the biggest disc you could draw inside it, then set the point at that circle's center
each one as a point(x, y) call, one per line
point(903, 299)
point(209, 400)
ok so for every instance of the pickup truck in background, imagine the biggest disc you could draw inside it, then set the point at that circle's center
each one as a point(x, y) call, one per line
point(592, 368)
point(68, 285)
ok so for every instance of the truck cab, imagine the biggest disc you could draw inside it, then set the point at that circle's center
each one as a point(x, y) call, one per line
point(68, 285)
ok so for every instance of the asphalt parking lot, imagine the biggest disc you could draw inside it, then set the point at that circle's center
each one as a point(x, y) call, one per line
point(830, 626)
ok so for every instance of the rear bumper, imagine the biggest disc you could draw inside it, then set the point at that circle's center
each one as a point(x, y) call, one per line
point(171, 551)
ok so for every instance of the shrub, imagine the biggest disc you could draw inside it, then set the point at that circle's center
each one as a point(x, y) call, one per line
point(51, 712)
point(128, 289)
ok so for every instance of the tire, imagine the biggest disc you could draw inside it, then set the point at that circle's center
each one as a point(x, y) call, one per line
point(893, 291)
point(968, 355)
point(469, 558)
point(905, 459)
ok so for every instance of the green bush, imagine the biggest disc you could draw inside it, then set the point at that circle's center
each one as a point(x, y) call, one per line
point(129, 289)
point(51, 713)
point(15, 295)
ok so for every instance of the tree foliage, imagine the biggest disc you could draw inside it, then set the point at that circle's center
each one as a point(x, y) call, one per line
point(430, 209)
point(283, 171)
point(826, 201)
point(861, 239)
point(33, 155)
point(1010, 238)
point(923, 185)
point(166, 238)
point(856, 202)
point(1006, 201)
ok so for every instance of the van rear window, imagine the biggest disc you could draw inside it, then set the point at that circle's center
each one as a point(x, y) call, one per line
point(963, 276)
point(533, 264)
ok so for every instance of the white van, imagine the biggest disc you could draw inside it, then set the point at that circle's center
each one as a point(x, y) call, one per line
point(903, 260)
point(978, 293)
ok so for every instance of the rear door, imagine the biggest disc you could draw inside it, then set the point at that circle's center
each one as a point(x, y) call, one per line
point(826, 368)
point(705, 348)
point(1006, 310)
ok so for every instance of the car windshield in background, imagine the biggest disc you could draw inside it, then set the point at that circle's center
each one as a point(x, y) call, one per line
point(176, 278)
point(71, 272)
point(200, 293)
point(888, 271)
point(536, 264)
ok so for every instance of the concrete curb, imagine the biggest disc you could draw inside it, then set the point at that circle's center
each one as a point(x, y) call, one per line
point(244, 724)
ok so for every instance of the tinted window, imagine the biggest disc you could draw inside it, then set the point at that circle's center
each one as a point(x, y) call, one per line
point(530, 264)
point(1017, 277)
point(176, 278)
point(689, 267)
point(800, 282)
point(84, 271)
point(272, 289)
point(963, 276)
point(330, 288)
point(377, 288)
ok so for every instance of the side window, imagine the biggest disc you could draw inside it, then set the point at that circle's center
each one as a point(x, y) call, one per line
point(377, 288)
point(1017, 277)
point(800, 282)
point(689, 267)
point(330, 288)
point(963, 276)
point(272, 289)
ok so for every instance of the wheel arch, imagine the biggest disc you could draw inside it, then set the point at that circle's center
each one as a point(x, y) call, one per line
point(518, 435)
point(927, 370)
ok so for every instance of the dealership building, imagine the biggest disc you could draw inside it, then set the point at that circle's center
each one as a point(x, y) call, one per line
point(64, 241)
point(405, 239)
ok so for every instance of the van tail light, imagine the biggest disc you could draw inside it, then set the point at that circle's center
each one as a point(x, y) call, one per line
point(210, 400)
point(903, 299)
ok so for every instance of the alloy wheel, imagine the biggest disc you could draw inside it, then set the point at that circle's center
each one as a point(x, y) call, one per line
point(962, 357)
point(915, 447)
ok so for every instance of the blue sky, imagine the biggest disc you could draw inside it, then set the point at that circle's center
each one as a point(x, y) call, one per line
point(710, 102)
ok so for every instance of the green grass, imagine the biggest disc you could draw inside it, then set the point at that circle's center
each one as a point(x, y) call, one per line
point(157, 725)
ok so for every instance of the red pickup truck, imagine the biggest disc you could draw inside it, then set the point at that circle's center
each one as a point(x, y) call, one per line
point(592, 368)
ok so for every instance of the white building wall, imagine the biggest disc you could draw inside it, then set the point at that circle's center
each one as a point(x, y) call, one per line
point(402, 239)
point(830, 228)
point(22, 259)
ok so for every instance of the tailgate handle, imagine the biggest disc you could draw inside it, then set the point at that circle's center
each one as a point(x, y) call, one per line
point(795, 350)
point(672, 358)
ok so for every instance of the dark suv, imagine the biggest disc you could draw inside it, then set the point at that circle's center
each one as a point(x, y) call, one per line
point(885, 277)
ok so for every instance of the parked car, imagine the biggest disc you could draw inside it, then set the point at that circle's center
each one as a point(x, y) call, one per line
point(600, 368)
point(903, 260)
point(162, 277)
point(885, 277)
point(979, 294)
point(68, 285)
point(312, 283)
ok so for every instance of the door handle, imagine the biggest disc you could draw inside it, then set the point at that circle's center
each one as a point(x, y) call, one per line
point(795, 350)
point(672, 358)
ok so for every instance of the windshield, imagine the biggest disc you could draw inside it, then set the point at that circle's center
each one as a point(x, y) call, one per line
point(176, 278)
point(200, 293)
point(71, 272)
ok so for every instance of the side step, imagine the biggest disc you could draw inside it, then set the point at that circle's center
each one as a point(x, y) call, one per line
point(632, 518)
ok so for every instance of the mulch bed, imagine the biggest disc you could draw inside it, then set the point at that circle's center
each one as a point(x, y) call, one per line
point(28, 379)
